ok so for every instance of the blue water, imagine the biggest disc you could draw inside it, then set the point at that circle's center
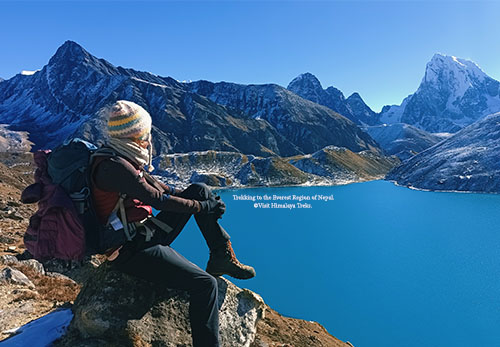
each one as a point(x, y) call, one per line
point(380, 265)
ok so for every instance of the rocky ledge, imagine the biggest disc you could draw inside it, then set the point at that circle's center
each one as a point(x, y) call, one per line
point(114, 309)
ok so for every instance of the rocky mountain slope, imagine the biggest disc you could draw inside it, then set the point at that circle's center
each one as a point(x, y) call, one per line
point(467, 161)
point(62, 99)
point(309, 87)
point(14, 141)
point(402, 140)
point(16, 173)
point(330, 165)
point(453, 94)
point(307, 124)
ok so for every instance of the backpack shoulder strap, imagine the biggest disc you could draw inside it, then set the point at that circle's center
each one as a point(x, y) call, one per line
point(103, 152)
point(95, 158)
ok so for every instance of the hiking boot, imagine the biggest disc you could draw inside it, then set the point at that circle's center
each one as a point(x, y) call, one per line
point(222, 261)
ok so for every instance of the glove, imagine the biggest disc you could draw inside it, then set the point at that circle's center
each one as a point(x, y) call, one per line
point(214, 205)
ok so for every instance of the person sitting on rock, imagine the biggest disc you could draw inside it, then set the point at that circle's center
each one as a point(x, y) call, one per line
point(148, 255)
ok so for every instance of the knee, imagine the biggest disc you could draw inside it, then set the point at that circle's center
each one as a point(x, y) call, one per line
point(197, 191)
point(207, 284)
point(211, 282)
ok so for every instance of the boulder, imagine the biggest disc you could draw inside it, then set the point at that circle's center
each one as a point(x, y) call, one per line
point(116, 309)
point(14, 276)
point(34, 264)
point(8, 259)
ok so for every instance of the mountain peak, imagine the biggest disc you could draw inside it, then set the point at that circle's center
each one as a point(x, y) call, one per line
point(305, 80)
point(456, 68)
point(454, 93)
point(355, 96)
point(69, 50)
point(72, 56)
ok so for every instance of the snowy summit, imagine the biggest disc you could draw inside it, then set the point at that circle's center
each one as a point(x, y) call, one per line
point(453, 93)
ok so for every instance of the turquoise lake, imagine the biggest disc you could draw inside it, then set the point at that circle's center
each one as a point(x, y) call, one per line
point(379, 266)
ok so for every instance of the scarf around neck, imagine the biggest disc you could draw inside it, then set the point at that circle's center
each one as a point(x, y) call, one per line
point(131, 150)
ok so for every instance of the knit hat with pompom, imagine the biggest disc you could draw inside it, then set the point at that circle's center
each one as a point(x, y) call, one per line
point(127, 120)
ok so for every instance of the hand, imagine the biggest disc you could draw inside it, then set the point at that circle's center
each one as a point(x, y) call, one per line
point(222, 207)
point(214, 205)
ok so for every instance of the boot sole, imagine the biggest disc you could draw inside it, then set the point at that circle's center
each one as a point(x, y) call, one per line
point(233, 276)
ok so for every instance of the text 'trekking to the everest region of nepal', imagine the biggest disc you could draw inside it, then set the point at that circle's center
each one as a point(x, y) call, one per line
point(292, 201)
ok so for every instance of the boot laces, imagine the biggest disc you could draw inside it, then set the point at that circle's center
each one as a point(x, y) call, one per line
point(230, 252)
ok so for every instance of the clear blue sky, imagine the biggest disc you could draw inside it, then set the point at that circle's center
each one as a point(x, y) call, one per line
point(378, 49)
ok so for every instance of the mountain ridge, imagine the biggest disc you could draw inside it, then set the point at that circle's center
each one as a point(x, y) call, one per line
point(67, 93)
point(309, 87)
point(466, 161)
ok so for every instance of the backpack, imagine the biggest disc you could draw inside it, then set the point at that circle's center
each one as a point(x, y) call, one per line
point(66, 225)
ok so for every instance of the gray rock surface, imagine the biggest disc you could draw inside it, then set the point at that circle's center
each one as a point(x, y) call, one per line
point(60, 276)
point(116, 309)
point(34, 264)
point(8, 259)
point(14, 276)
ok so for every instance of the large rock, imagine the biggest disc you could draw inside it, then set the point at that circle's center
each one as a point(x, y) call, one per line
point(116, 309)
point(14, 276)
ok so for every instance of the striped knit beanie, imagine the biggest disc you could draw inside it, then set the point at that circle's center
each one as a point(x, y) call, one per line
point(127, 120)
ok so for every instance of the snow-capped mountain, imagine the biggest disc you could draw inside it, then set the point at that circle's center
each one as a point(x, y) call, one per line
point(63, 98)
point(309, 87)
point(402, 140)
point(467, 161)
point(453, 94)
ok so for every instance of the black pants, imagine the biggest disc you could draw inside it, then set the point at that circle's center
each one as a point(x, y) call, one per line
point(156, 261)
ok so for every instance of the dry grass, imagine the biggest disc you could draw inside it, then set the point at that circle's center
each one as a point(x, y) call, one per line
point(276, 330)
point(51, 288)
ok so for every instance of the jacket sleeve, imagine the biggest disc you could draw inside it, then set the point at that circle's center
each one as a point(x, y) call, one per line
point(170, 189)
point(167, 188)
point(118, 175)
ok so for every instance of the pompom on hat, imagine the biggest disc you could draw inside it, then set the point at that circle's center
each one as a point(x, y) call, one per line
point(127, 120)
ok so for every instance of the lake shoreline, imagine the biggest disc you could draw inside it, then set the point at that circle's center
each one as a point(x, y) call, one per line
point(345, 183)
point(439, 191)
